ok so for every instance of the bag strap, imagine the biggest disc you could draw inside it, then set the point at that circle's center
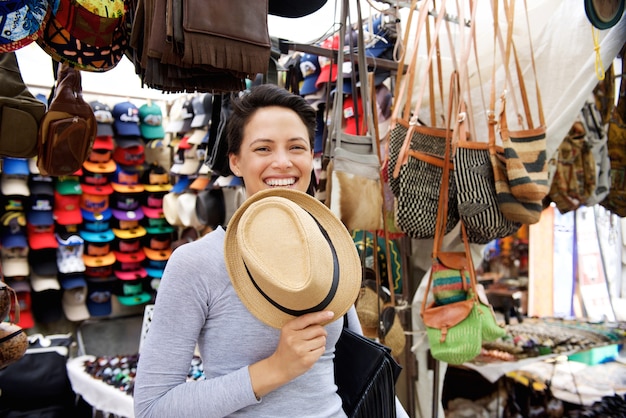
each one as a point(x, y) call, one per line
point(405, 80)
point(363, 90)
point(510, 46)
point(404, 150)
point(442, 211)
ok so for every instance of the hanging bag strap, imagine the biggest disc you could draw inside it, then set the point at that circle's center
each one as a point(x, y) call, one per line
point(404, 150)
point(442, 211)
point(510, 47)
point(404, 88)
point(363, 90)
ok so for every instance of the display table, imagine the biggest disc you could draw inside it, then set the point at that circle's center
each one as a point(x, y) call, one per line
point(98, 394)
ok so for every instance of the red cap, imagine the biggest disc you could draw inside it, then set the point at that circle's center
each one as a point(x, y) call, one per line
point(67, 209)
point(41, 236)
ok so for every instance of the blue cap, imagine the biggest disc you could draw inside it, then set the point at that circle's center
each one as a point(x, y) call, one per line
point(102, 236)
point(14, 240)
point(381, 39)
point(71, 281)
point(99, 293)
point(181, 185)
point(126, 119)
point(40, 217)
point(15, 166)
point(310, 69)
point(153, 272)
point(89, 216)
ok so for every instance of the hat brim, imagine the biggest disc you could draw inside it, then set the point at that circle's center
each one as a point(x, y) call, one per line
point(349, 280)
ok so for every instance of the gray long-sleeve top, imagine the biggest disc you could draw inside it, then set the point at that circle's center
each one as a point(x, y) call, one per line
point(197, 303)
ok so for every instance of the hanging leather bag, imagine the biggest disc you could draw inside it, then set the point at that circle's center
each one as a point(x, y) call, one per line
point(68, 129)
point(20, 111)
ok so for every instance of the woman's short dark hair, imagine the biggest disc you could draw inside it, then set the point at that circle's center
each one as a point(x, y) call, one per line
point(244, 106)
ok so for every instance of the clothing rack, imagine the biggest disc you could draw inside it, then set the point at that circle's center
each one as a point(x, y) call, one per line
point(407, 4)
point(286, 46)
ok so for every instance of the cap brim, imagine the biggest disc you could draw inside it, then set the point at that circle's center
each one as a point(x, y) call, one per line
point(349, 280)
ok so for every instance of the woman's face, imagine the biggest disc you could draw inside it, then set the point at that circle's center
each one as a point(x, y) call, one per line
point(275, 151)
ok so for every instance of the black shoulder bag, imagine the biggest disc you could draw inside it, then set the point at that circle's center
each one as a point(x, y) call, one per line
point(365, 374)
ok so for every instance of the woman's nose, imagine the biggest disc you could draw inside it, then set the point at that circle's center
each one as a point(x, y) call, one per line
point(282, 160)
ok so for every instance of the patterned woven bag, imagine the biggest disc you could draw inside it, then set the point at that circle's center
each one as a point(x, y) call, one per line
point(476, 190)
point(420, 179)
point(521, 171)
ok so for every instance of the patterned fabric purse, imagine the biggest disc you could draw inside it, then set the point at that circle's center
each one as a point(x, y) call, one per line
point(521, 171)
point(416, 153)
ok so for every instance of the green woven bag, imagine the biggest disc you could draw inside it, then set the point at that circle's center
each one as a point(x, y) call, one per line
point(454, 330)
point(491, 331)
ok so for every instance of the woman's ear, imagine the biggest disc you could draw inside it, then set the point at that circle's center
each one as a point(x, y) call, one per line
point(233, 163)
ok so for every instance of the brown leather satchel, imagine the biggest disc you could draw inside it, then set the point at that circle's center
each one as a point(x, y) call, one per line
point(68, 129)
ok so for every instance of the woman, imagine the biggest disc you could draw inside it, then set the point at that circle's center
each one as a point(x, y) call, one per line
point(251, 369)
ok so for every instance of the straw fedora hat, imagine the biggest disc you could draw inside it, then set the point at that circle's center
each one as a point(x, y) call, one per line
point(287, 254)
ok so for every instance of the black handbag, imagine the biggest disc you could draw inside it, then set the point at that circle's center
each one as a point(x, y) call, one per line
point(365, 375)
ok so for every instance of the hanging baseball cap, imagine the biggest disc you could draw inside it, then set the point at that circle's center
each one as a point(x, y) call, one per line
point(130, 292)
point(41, 236)
point(22, 292)
point(152, 205)
point(68, 185)
point(127, 229)
point(74, 300)
point(95, 207)
point(151, 121)
point(175, 124)
point(210, 208)
point(100, 161)
point(126, 206)
point(129, 250)
point(187, 115)
point(15, 166)
point(126, 120)
point(155, 226)
point(43, 262)
point(156, 179)
point(155, 268)
point(377, 39)
point(158, 247)
point(190, 163)
point(202, 109)
point(39, 211)
point(98, 254)
point(104, 119)
point(21, 23)
point(70, 253)
point(67, 209)
point(197, 136)
point(351, 113)
point(105, 235)
point(310, 69)
point(328, 71)
point(14, 185)
point(132, 270)
point(90, 36)
point(15, 262)
point(126, 180)
point(99, 293)
point(41, 283)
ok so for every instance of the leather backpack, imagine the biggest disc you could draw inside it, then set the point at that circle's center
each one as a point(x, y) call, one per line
point(20, 111)
point(68, 129)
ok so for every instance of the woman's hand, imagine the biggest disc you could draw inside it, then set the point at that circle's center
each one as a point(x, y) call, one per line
point(302, 342)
